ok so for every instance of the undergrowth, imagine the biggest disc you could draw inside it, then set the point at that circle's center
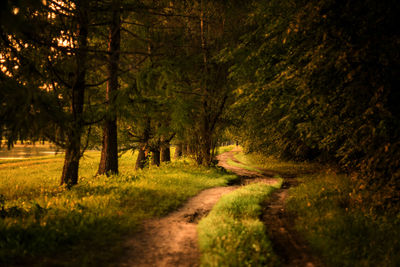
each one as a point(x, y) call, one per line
point(341, 232)
point(42, 223)
point(331, 216)
point(232, 234)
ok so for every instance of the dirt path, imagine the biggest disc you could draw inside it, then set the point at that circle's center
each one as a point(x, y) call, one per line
point(172, 240)
point(246, 176)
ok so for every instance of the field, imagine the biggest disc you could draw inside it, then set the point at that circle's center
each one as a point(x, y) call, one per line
point(45, 223)
point(42, 223)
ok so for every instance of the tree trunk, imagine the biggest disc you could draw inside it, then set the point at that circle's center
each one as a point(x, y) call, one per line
point(143, 152)
point(178, 150)
point(205, 139)
point(71, 166)
point(155, 157)
point(206, 152)
point(189, 150)
point(205, 144)
point(73, 153)
point(185, 150)
point(109, 154)
point(141, 159)
point(166, 153)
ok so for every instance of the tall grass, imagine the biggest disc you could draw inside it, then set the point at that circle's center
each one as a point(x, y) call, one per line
point(46, 224)
point(232, 234)
point(341, 232)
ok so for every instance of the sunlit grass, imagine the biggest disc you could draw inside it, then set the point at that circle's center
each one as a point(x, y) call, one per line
point(282, 168)
point(232, 234)
point(243, 166)
point(223, 149)
point(45, 223)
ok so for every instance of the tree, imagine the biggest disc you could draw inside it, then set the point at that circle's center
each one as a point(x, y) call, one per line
point(202, 85)
point(53, 51)
point(109, 154)
point(317, 82)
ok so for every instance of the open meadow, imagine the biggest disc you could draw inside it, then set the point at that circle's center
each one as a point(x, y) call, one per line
point(45, 223)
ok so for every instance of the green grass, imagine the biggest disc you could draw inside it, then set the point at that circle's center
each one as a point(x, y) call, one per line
point(232, 234)
point(223, 149)
point(45, 224)
point(340, 231)
point(283, 168)
point(243, 166)
point(258, 163)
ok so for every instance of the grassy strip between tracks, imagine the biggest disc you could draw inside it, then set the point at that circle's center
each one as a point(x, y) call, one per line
point(232, 234)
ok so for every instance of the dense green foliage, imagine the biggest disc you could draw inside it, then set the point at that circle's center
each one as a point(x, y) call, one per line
point(318, 81)
point(232, 234)
point(342, 234)
point(42, 221)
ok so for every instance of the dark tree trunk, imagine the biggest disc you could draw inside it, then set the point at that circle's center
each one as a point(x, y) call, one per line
point(213, 150)
point(189, 150)
point(185, 150)
point(109, 154)
point(178, 150)
point(165, 153)
point(155, 156)
point(73, 153)
point(143, 152)
point(71, 165)
point(204, 154)
point(141, 159)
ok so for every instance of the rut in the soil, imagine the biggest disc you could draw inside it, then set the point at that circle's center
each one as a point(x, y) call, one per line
point(290, 247)
point(172, 240)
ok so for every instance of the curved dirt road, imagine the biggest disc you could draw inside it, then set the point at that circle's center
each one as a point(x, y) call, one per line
point(172, 240)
